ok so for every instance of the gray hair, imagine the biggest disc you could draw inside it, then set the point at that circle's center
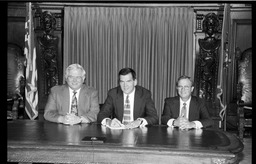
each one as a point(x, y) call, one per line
point(74, 67)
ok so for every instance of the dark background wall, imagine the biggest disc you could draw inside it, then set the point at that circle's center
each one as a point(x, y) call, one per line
point(241, 32)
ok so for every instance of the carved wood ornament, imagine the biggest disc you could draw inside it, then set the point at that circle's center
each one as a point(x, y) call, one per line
point(208, 61)
point(48, 44)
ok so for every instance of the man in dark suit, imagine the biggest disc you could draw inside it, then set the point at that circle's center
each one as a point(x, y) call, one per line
point(73, 102)
point(185, 111)
point(141, 110)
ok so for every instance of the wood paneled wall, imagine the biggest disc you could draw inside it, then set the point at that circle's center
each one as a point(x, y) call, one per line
point(241, 30)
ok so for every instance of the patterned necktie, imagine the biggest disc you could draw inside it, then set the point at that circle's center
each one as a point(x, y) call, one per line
point(127, 111)
point(74, 104)
point(183, 110)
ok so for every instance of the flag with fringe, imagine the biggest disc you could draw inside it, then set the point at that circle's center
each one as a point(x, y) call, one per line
point(224, 59)
point(31, 92)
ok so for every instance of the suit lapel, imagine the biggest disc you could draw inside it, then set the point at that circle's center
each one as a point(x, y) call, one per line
point(192, 108)
point(137, 102)
point(176, 105)
point(66, 103)
point(82, 98)
point(120, 104)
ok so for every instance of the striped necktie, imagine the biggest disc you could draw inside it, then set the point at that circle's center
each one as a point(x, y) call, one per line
point(74, 104)
point(184, 110)
point(127, 111)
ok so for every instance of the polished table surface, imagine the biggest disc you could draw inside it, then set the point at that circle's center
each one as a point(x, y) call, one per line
point(43, 141)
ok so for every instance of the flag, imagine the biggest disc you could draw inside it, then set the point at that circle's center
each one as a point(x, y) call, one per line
point(223, 62)
point(31, 92)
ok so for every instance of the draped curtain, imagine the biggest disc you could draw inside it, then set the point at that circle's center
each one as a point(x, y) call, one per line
point(157, 42)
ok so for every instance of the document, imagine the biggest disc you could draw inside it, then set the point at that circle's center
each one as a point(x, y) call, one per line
point(121, 127)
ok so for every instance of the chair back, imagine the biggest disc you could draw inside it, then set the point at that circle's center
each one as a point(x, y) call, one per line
point(15, 71)
point(245, 77)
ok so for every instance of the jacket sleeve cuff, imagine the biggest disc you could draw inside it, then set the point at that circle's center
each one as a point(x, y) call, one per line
point(170, 122)
point(198, 124)
point(104, 121)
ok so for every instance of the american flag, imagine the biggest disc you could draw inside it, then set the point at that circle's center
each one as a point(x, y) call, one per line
point(224, 60)
point(31, 92)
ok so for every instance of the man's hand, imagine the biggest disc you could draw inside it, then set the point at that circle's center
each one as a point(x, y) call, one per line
point(133, 124)
point(71, 119)
point(178, 121)
point(114, 123)
point(183, 123)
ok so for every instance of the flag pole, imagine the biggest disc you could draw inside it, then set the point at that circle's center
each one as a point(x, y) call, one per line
point(224, 61)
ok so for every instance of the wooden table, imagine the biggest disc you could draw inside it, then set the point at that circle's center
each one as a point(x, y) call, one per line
point(43, 141)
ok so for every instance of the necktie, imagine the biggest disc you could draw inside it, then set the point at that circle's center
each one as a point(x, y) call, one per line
point(74, 104)
point(183, 110)
point(127, 111)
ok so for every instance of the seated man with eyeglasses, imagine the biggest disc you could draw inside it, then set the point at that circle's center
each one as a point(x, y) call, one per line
point(185, 111)
point(73, 102)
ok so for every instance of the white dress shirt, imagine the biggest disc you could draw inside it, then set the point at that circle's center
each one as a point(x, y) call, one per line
point(198, 123)
point(131, 99)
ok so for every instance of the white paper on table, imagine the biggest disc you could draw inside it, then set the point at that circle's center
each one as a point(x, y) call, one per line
point(122, 127)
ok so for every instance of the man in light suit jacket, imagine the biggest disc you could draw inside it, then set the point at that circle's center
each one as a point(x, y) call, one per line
point(196, 113)
point(143, 110)
point(59, 105)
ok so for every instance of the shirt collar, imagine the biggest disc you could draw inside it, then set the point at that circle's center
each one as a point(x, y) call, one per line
point(187, 102)
point(131, 94)
point(71, 90)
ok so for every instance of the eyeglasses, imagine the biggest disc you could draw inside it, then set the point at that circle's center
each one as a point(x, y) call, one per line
point(78, 78)
point(184, 87)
